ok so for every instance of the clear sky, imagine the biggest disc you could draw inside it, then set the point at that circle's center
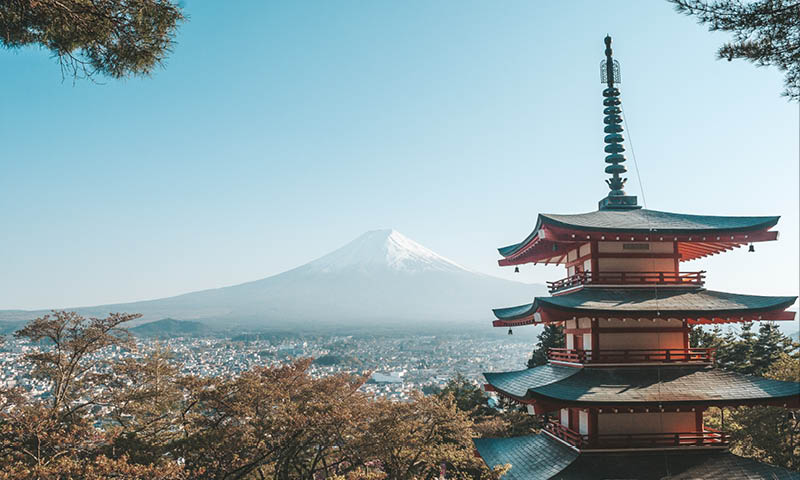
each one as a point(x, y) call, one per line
point(279, 131)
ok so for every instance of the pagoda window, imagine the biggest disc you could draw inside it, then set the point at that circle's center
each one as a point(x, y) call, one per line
point(587, 341)
point(636, 257)
point(665, 422)
point(572, 255)
point(565, 417)
point(583, 422)
point(637, 264)
point(636, 247)
point(585, 249)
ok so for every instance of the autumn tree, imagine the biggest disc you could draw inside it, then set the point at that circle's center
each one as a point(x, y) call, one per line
point(115, 38)
point(273, 422)
point(765, 32)
point(509, 419)
point(57, 437)
point(423, 438)
point(71, 364)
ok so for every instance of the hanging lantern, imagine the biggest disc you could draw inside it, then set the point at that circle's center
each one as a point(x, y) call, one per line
point(516, 269)
point(510, 332)
point(752, 248)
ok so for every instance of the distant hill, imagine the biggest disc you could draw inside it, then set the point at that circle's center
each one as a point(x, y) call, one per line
point(381, 282)
point(169, 327)
point(8, 328)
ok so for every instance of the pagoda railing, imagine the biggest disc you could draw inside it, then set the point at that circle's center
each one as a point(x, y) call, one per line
point(628, 278)
point(706, 438)
point(655, 355)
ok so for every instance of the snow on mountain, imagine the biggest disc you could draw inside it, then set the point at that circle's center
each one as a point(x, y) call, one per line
point(382, 279)
point(384, 249)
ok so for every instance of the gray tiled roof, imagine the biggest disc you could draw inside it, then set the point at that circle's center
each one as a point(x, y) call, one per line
point(538, 457)
point(665, 222)
point(690, 300)
point(531, 457)
point(518, 383)
point(645, 221)
point(632, 385)
point(670, 466)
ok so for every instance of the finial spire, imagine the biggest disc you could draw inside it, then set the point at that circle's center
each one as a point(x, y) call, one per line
point(609, 74)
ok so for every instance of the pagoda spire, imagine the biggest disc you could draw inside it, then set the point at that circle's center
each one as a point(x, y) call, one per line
point(609, 74)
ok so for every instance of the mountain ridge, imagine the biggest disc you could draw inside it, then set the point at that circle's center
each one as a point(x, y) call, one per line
point(380, 279)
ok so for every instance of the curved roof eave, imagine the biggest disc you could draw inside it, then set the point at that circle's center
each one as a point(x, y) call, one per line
point(512, 249)
point(656, 222)
point(669, 385)
point(650, 221)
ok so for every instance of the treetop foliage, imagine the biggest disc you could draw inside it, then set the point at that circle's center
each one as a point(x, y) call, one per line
point(765, 32)
point(138, 417)
point(551, 337)
point(114, 38)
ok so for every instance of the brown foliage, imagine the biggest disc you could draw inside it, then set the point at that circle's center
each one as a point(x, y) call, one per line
point(140, 418)
point(117, 38)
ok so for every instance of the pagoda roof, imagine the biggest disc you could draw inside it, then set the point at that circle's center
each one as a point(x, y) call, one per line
point(531, 456)
point(641, 224)
point(672, 385)
point(540, 457)
point(684, 302)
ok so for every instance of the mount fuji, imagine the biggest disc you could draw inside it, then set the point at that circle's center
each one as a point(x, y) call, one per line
point(380, 281)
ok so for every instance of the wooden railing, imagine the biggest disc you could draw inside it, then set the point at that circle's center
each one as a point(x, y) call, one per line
point(560, 431)
point(655, 355)
point(705, 438)
point(628, 278)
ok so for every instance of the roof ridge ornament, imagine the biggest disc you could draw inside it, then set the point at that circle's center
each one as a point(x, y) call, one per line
point(610, 74)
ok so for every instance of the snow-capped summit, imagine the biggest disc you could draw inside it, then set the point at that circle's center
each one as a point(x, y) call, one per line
point(380, 249)
point(380, 280)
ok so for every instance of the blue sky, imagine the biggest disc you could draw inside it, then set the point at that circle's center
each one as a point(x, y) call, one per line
point(279, 131)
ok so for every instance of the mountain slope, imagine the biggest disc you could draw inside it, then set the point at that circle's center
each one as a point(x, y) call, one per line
point(381, 279)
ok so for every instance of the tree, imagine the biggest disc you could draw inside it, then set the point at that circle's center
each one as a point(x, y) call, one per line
point(766, 434)
point(551, 337)
point(765, 32)
point(70, 364)
point(56, 438)
point(508, 420)
point(420, 438)
point(116, 38)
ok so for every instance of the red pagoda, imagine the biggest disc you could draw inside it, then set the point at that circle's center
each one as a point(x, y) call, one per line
point(627, 392)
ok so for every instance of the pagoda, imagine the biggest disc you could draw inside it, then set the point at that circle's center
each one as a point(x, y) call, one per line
point(626, 396)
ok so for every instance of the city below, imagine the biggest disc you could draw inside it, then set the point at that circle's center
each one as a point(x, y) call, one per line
point(397, 365)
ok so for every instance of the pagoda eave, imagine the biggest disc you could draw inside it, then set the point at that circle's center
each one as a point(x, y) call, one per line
point(550, 387)
point(550, 244)
point(541, 456)
point(697, 306)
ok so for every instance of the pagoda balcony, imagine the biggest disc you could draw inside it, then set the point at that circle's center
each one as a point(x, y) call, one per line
point(628, 279)
point(702, 356)
point(708, 438)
